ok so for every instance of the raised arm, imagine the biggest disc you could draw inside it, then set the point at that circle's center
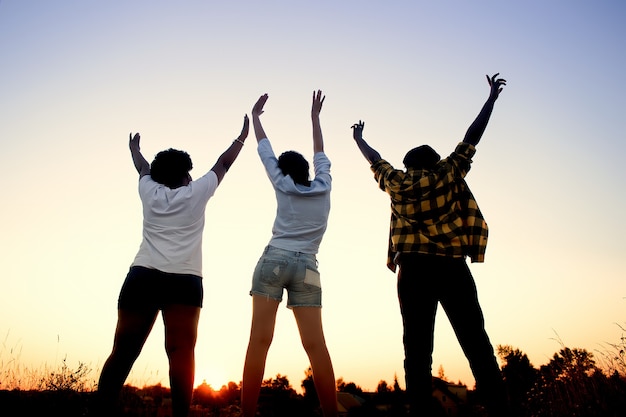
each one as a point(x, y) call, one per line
point(257, 111)
point(142, 166)
point(316, 108)
point(368, 152)
point(477, 128)
point(228, 157)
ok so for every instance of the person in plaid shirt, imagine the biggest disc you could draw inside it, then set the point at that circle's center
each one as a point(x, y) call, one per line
point(435, 225)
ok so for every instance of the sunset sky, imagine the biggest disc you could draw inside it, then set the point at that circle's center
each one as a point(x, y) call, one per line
point(77, 76)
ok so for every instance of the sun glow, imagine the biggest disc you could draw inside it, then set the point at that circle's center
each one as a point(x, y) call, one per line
point(215, 377)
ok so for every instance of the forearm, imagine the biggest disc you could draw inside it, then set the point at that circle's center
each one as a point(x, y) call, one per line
point(368, 152)
point(318, 140)
point(141, 164)
point(477, 128)
point(258, 128)
point(227, 158)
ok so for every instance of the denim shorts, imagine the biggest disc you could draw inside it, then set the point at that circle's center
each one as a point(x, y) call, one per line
point(151, 289)
point(296, 272)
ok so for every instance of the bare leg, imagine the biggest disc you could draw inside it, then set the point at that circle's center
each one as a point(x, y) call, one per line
point(181, 330)
point(309, 321)
point(133, 328)
point(261, 334)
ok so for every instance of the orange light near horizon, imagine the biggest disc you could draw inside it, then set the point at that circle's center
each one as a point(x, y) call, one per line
point(213, 376)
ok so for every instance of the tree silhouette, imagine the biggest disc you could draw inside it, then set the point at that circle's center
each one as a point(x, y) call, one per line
point(279, 399)
point(520, 376)
point(308, 386)
point(396, 385)
point(349, 387)
point(280, 383)
point(206, 397)
point(441, 373)
point(203, 394)
point(382, 387)
point(572, 385)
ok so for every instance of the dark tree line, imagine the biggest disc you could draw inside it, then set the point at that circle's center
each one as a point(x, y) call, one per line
point(571, 384)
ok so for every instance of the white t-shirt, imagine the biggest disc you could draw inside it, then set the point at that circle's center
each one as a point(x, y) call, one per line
point(173, 222)
point(301, 212)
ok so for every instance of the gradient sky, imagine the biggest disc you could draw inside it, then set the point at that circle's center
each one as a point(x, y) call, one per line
point(77, 76)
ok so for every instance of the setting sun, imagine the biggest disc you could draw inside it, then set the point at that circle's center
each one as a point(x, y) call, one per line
point(213, 376)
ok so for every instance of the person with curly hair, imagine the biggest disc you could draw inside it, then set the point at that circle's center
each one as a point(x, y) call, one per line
point(166, 274)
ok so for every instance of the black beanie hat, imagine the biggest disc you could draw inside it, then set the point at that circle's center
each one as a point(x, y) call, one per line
point(422, 157)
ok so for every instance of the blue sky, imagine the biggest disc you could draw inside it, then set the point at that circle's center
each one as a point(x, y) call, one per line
point(77, 77)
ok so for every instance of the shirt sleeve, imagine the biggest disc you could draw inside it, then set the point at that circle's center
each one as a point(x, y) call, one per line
point(147, 186)
point(208, 184)
point(385, 174)
point(461, 159)
point(322, 168)
point(269, 160)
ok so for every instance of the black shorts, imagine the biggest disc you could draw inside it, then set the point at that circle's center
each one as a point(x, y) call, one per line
point(146, 288)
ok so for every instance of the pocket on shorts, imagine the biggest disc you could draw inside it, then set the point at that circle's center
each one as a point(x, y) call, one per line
point(312, 277)
point(271, 270)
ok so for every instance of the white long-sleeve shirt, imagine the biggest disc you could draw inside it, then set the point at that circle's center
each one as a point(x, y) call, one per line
point(301, 212)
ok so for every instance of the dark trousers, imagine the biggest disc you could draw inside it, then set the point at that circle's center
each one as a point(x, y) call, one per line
point(423, 282)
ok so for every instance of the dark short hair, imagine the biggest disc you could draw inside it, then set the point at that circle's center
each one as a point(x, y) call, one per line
point(171, 167)
point(422, 157)
point(293, 164)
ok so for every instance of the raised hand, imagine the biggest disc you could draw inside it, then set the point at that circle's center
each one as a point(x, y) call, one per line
point(316, 108)
point(496, 85)
point(318, 101)
point(257, 109)
point(357, 130)
point(244, 130)
point(133, 141)
point(141, 165)
point(368, 152)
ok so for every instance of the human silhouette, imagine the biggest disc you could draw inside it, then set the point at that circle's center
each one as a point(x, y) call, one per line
point(289, 262)
point(166, 274)
point(435, 224)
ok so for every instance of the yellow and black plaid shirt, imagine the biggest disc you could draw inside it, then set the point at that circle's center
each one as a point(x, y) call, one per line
point(433, 211)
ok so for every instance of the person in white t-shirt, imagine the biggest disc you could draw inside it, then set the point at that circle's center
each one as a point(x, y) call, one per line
point(289, 262)
point(166, 274)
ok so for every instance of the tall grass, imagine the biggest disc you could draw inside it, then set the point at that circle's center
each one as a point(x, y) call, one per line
point(60, 377)
point(13, 375)
point(613, 355)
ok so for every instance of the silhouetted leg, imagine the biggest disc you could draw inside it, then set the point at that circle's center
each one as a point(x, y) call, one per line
point(309, 321)
point(418, 305)
point(261, 334)
point(133, 328)
point(460, 301)
point(181, 329)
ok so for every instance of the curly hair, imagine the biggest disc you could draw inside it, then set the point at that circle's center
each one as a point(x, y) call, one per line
point(171, 167)
point(293, 164)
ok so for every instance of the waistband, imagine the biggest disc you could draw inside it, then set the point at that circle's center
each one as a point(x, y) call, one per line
point(296, 254)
